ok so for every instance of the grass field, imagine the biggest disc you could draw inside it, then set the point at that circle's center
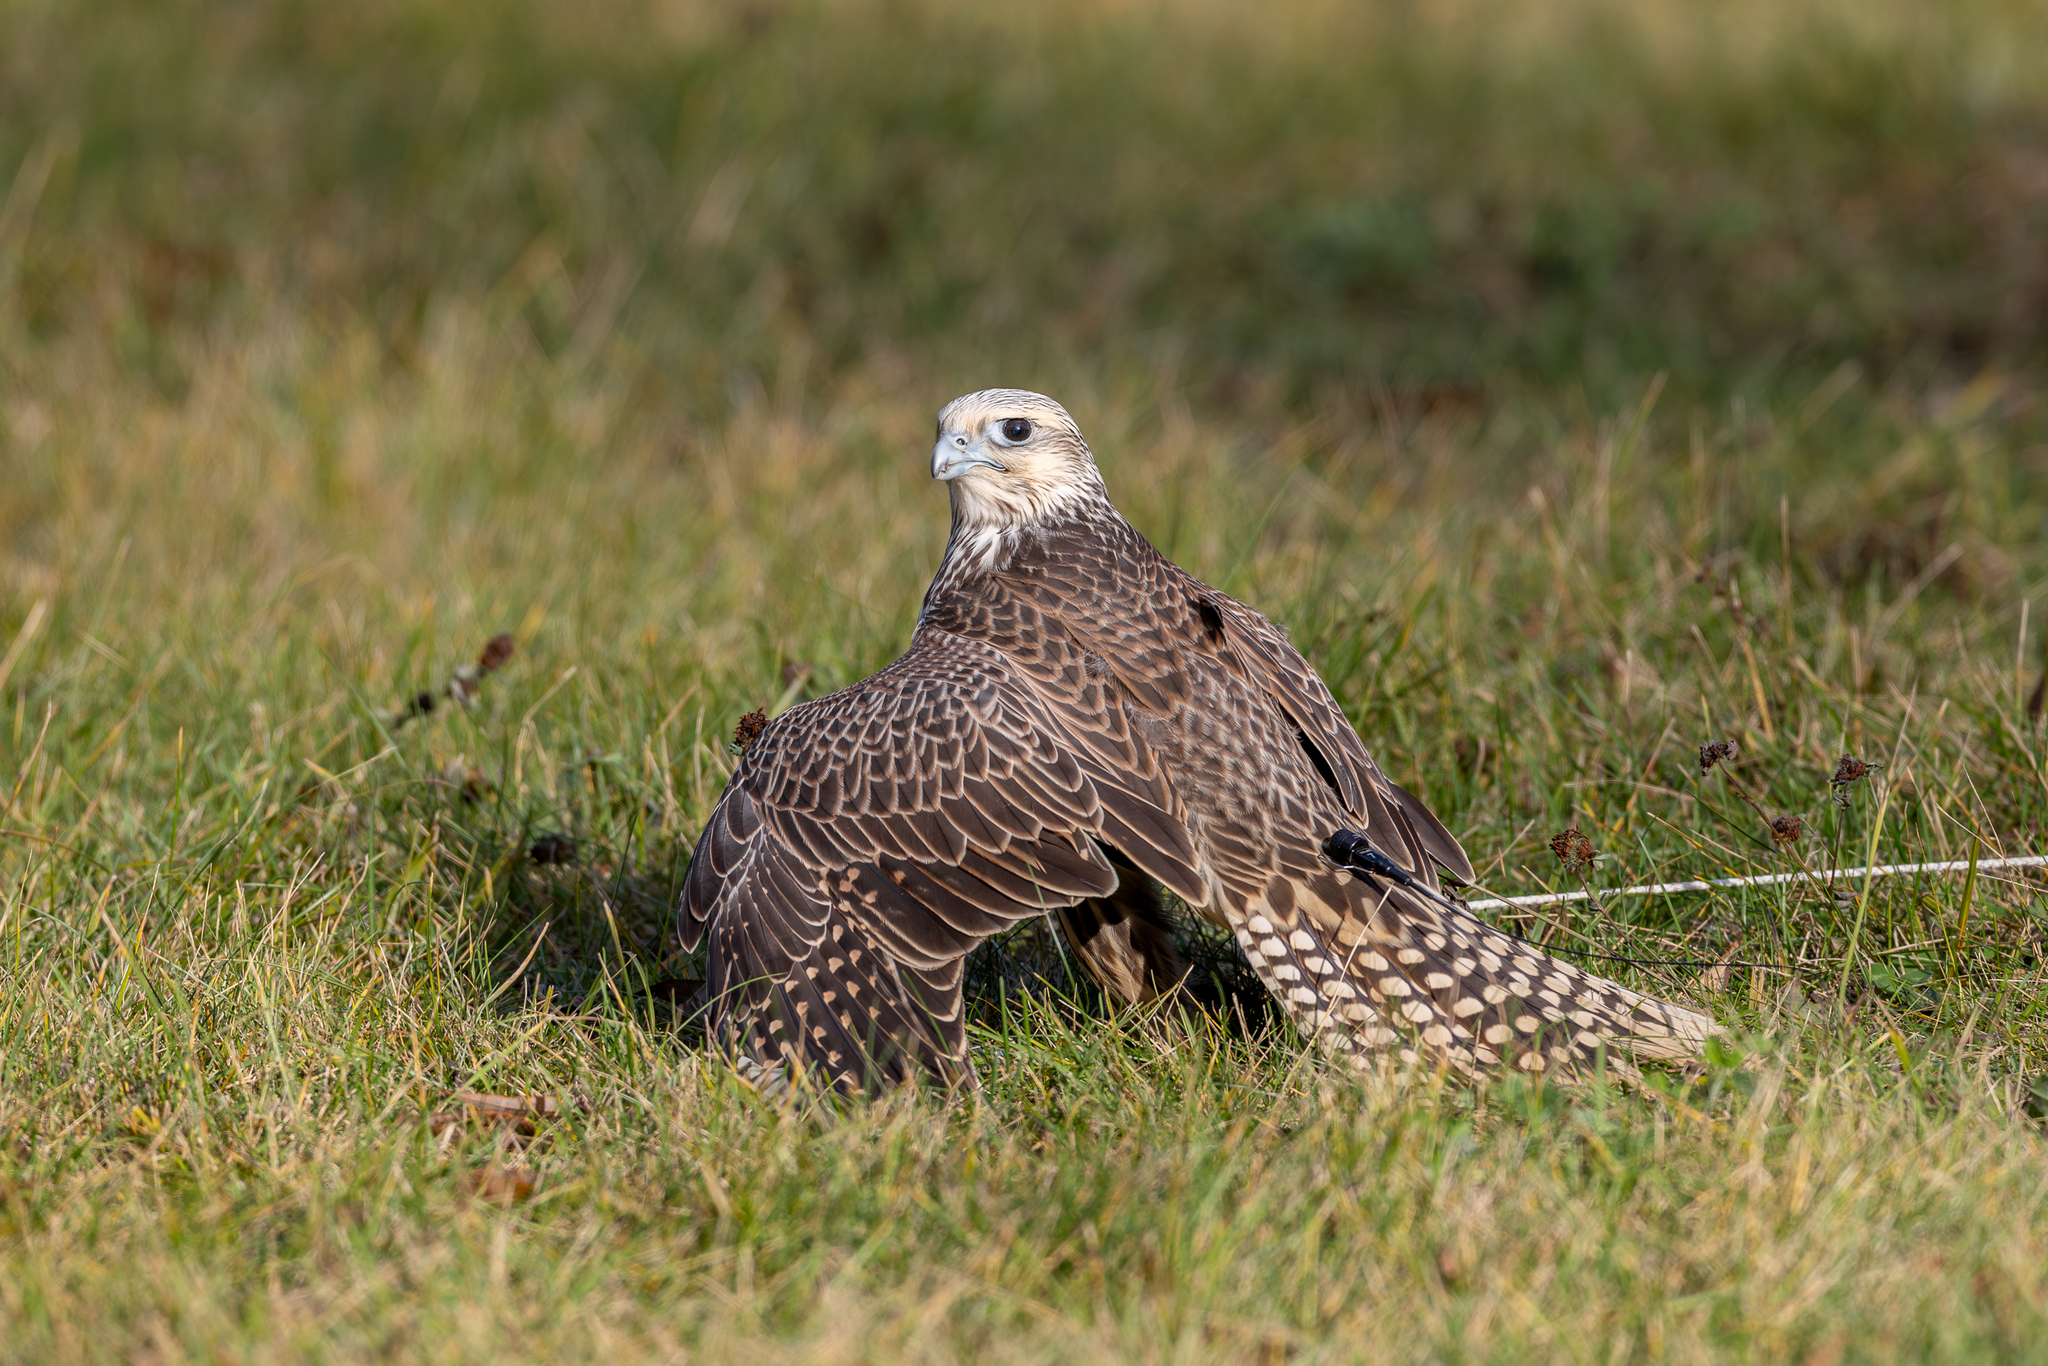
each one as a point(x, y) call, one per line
point(1581, 383)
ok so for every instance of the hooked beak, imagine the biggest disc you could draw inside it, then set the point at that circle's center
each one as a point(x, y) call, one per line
point(957, 453)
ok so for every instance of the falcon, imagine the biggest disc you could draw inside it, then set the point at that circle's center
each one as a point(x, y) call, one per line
point(1079, 727)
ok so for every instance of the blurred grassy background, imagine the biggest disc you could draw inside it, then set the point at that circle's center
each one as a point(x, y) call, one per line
point(1580, 382)
point(1814, 221)
point(1277, 209)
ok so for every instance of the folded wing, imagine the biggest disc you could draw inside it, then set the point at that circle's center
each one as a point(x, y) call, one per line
point(1264, 656)
point(870, 839)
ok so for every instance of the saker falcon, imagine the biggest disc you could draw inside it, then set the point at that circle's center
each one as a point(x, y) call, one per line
point(1077, 724)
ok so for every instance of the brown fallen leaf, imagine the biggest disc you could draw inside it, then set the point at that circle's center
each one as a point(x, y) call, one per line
point(496, 651)
point(1716, 977)
point(501, 1185)
point(519, 1115)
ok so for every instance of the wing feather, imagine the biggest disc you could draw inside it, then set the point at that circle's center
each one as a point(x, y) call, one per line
point(1263, 654)
point(1428, 833)
point(1259, 649)
point(869, 840)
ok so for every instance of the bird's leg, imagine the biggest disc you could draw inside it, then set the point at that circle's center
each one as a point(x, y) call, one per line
point(1125, 940)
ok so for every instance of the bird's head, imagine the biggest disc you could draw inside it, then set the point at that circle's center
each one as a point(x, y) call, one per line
point(1012, 459)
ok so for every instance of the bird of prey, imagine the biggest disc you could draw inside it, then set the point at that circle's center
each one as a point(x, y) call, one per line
point(1078, 724)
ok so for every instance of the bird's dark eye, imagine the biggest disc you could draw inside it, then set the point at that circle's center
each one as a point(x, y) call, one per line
point(1016, 429)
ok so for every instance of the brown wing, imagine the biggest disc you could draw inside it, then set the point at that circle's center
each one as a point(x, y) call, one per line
point(1376, 968)
point(1117, 638)
point(1396, 817)
point(1265, 767)
point(870, 839)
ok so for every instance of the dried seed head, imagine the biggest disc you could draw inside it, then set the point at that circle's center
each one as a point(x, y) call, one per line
point(1719, 752)
point(1573, 850)
point(1848, 773)
point(1787, 830)
point(749, 729)
point(497, 650)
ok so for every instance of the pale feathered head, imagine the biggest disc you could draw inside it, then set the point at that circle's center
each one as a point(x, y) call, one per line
point(1012, 458)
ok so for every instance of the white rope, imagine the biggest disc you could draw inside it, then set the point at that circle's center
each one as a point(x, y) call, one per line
point(1759, 880)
